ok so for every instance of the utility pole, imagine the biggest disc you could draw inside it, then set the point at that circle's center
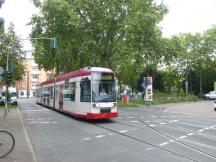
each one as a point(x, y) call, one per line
point(28, 84)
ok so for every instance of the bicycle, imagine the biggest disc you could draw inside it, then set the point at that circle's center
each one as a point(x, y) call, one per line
point(7, 143)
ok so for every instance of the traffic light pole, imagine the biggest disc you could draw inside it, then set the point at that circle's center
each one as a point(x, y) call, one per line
point(6, 92)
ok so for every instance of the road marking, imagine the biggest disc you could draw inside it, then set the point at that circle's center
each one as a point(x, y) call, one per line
point(206, 128)
point(148, 121)
point(163, 144)
point(119, 117)
point(123, 131)
point(111, 134)
point(32, 122)
point(172, 121)
point(182, 137)
point(190, 134)
point(86, 139)
point(149, 149)
point(29, 144)
point(134, 121)
point(34, 110)
point(130, 117)
point(154, 116)
point(212, 126)
point(162, 123)
point(100, 136)
point(44, 122)
point(54, 122)
point(201, 130)
point(152, 125)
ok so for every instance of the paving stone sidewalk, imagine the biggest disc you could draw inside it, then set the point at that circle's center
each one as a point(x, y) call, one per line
point(14, 124)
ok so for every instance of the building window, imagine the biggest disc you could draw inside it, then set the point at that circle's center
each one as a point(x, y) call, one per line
point(35, 76)
point(34, 68)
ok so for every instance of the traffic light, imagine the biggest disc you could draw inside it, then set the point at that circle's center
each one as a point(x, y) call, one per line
point(53, 43)
point(8, 77)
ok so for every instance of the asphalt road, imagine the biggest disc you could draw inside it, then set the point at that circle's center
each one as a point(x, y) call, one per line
point(152, 134)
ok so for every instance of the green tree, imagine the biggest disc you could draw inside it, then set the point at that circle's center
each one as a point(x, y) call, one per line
point(10, 45)
point(97, 33)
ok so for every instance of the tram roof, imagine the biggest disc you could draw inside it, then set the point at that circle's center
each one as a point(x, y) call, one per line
point(77, 73)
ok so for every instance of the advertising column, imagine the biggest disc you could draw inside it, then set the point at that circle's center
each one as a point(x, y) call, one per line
point(148, 89)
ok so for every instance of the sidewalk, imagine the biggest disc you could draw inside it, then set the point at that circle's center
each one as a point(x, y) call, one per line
point(14, 124)
point(200, 108)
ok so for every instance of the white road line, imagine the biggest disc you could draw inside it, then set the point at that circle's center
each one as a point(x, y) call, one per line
point(86, 139)
point(162, 123)
point(119, 117)
point(44, 122)
point(111, 134)
point(206, 128)
point(130, 117)
point(134, 121)
point(123, 131)
point(201, 130)
point(163, 144)
point(212, 126)
point(33, 110)
point(32, 122)
point(172, 121)
point(152, 125)
point(30, 119)
point(149, 149)
point(182, 137)
point(190, 134)
point(29, 144)
point(100, 136)
point(54, 122)
point(148, 121)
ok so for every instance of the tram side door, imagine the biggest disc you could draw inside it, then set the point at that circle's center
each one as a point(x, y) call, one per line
point(61, 97)
point(57, 94)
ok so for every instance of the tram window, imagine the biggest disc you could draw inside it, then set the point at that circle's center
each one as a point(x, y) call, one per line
point(69, 92)
point(85, 93)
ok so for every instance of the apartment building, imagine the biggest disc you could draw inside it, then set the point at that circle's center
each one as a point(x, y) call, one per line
point(33, 76)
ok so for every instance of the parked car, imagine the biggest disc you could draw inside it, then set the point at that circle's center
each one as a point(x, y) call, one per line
point(215, 105)
point(12, 96)
point(211, 95)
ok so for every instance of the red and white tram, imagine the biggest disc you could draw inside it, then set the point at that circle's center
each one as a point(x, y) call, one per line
point(88, 93)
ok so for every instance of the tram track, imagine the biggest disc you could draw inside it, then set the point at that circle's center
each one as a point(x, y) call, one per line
point(159, 133)
point(143, 141)
point(174, 139)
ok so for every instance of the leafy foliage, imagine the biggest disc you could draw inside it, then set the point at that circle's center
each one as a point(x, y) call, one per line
point(10, 44)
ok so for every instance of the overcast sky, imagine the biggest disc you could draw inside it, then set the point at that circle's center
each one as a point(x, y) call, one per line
point(184, 16)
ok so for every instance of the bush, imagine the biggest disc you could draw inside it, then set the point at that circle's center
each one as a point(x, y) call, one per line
point(181, 93)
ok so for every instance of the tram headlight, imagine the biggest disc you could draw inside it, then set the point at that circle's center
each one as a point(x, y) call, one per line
point(96, 105)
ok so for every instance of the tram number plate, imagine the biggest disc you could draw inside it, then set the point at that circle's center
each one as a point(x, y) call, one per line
point(105, 110)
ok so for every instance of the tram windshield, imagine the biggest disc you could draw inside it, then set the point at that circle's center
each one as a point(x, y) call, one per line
point(103, 87)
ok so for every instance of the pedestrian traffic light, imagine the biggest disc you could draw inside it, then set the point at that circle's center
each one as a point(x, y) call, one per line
point(53, 43)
